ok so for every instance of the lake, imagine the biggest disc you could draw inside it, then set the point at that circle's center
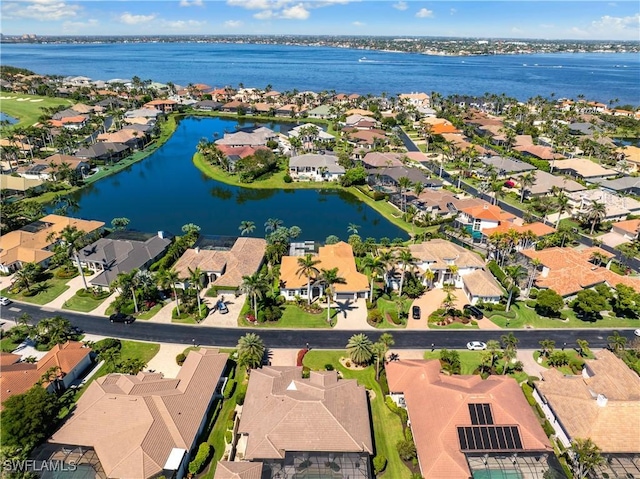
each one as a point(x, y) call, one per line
point(166, 191)
point(598, 76)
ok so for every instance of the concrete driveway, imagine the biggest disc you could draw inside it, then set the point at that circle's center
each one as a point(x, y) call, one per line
point(230, 320)
point(429, 302)
point(352, 315)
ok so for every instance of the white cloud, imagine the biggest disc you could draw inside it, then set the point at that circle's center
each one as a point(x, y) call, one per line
point(400, 6)
point(609, 28)
point(424, 13)
point(233, 23)
point(130, 19)
point(258, 4)
point(617, 23)
point(358, 24)
point(188, 25)
point(453, 11)
point(41, 10)
point(297, 12)
point(191, 3)
point(264, 15)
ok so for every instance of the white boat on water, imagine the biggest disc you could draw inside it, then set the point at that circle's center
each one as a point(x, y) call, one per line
point(363, 59)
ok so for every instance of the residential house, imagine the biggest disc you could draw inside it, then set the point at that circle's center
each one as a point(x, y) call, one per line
point(144, 426)
point(23, 149)
point(67, 113)
point(207, 105)
point(257, 137)
point(466, 426)
point(17, 185)
point(621, 232)
point(237, 153)
point(476, 219)
point(416, 99)
point(505, 166)
point(602, 404)
point(291, 110)
point(235, 106)
point(65, 361)
point(322, 111)
point(104, 151)
point(530, 232)
point(568, 271)
point(315, 167)
point(440, 203)
point(339, 255)
point(631, 155)
point(224, 267)
point(34, 242)
point(583, 168)
point(122, 252)
point(297, 427)
point(469, 274)
point(390, 177)
point(320, 134)
point(127, 136)
point(617, 207)
point(165, 106)
point(376, 159)
point(626, 184)
point(545, 183)
point(70, 122)
point(46, 169)
point(142, 113)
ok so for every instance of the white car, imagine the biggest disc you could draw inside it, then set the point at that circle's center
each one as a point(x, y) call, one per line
point(476, 346)
point(4, 301)
point(637, 332)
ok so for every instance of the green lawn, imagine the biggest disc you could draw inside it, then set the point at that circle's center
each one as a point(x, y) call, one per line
point(525, 316)
point(387, 427)
point(28, 111)
point(7, 345)
point(45, 291)
point(388, 306)
point(292, 317)
point(573, 356)
point(151, 313)
point(83, 304)
point(471, 360)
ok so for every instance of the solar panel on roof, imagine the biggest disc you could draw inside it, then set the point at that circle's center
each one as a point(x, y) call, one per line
point(489, 438)
point(480, 414)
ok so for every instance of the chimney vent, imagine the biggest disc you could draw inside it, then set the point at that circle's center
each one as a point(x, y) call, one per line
point(601, 400)
point(161, 234)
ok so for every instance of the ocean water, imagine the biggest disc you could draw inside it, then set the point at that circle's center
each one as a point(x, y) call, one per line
point(602, 77)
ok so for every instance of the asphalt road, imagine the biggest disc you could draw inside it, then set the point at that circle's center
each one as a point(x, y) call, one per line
point(297, 338)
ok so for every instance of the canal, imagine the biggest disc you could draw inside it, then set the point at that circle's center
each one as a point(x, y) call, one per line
point(166, 191)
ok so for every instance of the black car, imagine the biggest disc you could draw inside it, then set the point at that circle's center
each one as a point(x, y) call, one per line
point(121, 318)
point(474, 311)
point(415, 312)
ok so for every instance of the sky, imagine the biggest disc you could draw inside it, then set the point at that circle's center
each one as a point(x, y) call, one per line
point(574, 19)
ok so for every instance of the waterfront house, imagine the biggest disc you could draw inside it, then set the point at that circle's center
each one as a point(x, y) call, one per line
point(236, 153)
point(257, 137)
point(376, 159)
point(165, 106)
point(469, 274)
point(127, 136)
point(34, 242)
point(315, 167)
point(293, 426)
point(476, 219)
point(142, 426)
point(235, 106)
point(339, 255)
point(529, 233)
point(223, 267)
point(464, 426)
point(568, 271)
point(390, 177)
point(602, 404)
point(416, 99)
point(322, 111)
point(104, 151)
point(69, 360)
point(207, 105)
point(46, 169)
point(17, 185)
point(440, 203)
point(290, 110)
point(142, 113)
point(122, 252)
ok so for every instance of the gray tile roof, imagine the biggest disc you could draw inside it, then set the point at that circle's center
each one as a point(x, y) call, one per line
point(507, 165)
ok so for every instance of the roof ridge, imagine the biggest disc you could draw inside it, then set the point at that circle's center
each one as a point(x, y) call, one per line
point(158, 401)
point(340, 424)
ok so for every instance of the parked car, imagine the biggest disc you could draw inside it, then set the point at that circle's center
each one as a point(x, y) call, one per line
point(476, 346)
point(4, 301)
point(474, 311)
point(121, 318)
point(222, 307)
point(637, 332)
point(415, 312)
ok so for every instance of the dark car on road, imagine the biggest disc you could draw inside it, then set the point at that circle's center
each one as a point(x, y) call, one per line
point(415, 312)
point(474, 311)
point(121, 318)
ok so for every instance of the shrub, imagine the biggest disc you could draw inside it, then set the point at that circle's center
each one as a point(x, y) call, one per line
point(106, 345)
point(229, 388)
point(288, 179)
point(531, 303)
point(533, 293)
point(180, 358)
point(329, 367)
point(242, 393)
point(204, 451)
point(379, 463)
point(375, 316)
point(301, 355)
point(408, 435)
point(306, 372)
point(474, 322)
point(228, 437)
point(230, 424)
point(406, 450)
point(548, 428)
point(528, 393)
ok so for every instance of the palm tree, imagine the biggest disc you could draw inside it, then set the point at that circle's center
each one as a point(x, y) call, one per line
point(255, 287)
point(406, 259)
point(71, 237)
point(360, 348)
point(546, 347)
point(404, 184)
point(307, 267)
point(27, 275)
point(246, 227)
point(250, 350)
point(169, 278)
point(353, 228)
point(195, 275)
point(126, 282)
point(562, 202)
point(272, 224)
point(526, 181)
point(429, 275)
point(513, 275)
point(595, 214)
point(616, 342)
point(380, 350)
point(586, 457)
point(373, 266)
point(329, 278)
point(583, 347)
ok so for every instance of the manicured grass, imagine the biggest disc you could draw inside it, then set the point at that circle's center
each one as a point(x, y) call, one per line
point(387, 306)
point(292, 317)
point(28, 111)
point(573, 356)
point(526, 316)
point(151, 313)
point(7, 345)
point(469, 360)
point(83, 304)
point(46, 291)
point(454, 325)
point(387, 427)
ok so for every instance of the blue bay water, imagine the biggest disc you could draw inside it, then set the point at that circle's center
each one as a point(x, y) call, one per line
point(601, 77)
point(166, 191)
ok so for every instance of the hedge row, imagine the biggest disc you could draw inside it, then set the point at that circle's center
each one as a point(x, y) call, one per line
point(229, 388)
point(404, 416)
point(204, 451)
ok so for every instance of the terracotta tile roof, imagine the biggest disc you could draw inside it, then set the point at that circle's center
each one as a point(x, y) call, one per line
point(134, 422)
point(489, 212)
point(570, 270)
point(583, 167)
point(614, 426)
point(8, 358)
point(628, 226)
point(244, 259)
point(539, 229)
point(18, 378)
point(283, 412)
point(339, 255)
point(206, 260)
point(120, 136)
point(238, 470)
point(439, 129)
point(59, 159)
point(438, 403)
point(377, 159)
point(26, 247)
